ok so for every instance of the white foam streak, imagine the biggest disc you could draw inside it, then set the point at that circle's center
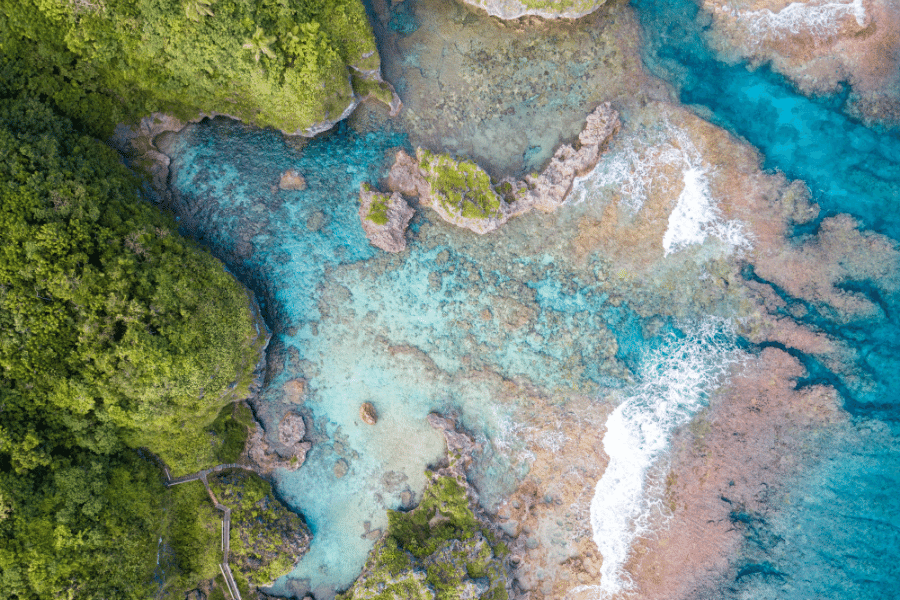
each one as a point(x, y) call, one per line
point(639, 162)
point(677, 379)
point(821, 20)
point(696, 217)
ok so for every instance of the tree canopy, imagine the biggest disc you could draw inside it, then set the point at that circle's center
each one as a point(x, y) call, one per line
point(115, 332)
point(279, 63)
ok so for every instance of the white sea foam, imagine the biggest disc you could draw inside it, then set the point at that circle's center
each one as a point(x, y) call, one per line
point(696, 217)
point(638, 163)
point(631, 169)
point(676, 381)
point(821, 20)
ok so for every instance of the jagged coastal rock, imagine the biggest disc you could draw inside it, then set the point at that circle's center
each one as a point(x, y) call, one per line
point(368, 413)
point(548, 9)
point(384, 218)
point(462, 193)
point(290, 454)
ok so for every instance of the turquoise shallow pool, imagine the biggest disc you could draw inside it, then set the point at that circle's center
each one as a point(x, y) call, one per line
point(457, 318)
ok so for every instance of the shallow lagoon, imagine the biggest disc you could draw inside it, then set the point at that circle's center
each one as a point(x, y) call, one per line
point(518, 334)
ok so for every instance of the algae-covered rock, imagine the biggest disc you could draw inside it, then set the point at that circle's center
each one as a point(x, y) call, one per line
point(548, 9)
point(384, 218)
point(462, 193)
point(267, 539)
point(439, 550)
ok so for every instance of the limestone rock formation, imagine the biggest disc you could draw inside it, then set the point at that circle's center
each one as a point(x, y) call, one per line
point(384, 218)
point(548, 9)
point(443, 548)
point(368, 413)
point(462, 194)
point(290, 454)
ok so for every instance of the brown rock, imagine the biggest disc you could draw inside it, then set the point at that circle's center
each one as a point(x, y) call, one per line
point(292, 180)
point(384, 219)
point(292, 429)
point(367, 413)
point(295, 390)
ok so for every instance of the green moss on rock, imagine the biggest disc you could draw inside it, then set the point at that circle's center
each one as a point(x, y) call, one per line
point(378, 209)
point(460, 186)
point(439, 551)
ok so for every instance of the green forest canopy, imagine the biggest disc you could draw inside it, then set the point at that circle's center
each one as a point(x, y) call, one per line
point(280, 63)
point(115, 332)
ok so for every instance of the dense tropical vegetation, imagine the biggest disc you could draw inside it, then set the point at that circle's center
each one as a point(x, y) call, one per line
point(115, 333)
point(280, 63)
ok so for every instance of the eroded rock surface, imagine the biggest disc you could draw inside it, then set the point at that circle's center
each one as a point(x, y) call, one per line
point(548, 9)
point(384, 218)
point(462, 193)
point(289, 454)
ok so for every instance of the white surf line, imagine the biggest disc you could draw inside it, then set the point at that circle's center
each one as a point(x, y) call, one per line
point(636, 165)
point(696, 217)
point(676, 382)
point(817, 19)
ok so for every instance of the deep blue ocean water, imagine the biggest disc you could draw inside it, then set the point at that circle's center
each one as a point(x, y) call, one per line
point(404, 331)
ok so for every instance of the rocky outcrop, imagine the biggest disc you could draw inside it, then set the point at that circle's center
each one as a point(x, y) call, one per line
point(548, 9)
point(289, 454)
point(462, 193)
point(443, 548)
point(384, 218)
point(548, 191)
point(368, 413)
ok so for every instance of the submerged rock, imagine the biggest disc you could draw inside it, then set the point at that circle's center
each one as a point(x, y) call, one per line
point(462, 193)
point(292, 180)
point(384, 218)
point(548, 9)
point(368, 414)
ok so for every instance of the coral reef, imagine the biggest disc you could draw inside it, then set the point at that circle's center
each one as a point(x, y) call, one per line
point(818, 45)
point(384, 218)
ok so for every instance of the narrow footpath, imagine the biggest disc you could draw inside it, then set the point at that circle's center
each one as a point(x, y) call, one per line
point(226, 519)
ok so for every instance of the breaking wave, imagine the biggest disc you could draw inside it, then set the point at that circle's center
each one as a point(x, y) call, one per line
point(677, 379)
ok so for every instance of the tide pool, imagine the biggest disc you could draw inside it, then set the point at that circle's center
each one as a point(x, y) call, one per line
point(514, 330)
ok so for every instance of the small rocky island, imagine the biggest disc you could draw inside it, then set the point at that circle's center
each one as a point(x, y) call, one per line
point(462, 193)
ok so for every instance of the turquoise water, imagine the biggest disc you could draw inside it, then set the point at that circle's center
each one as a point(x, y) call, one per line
point(840, 536)
point(458, 320)
point(439, 327)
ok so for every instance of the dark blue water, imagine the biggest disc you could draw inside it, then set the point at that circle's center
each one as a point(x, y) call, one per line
point(838, 536)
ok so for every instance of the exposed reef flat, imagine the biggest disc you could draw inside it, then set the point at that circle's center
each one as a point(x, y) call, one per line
point(548, 9)
point(819, 45)
point(462, 193)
